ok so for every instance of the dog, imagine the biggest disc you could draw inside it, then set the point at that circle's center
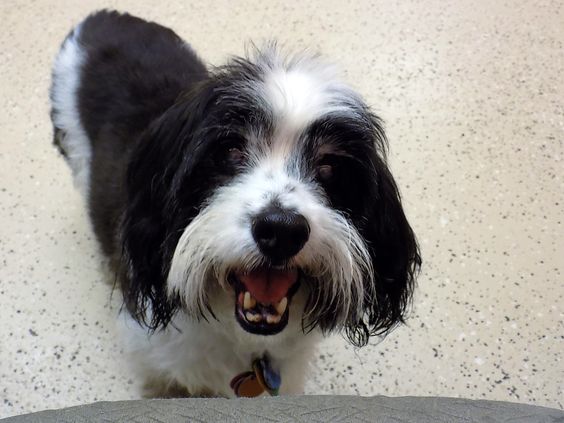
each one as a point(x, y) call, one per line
point(247, 210)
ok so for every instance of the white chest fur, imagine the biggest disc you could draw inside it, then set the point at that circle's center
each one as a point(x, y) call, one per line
point(203, 357)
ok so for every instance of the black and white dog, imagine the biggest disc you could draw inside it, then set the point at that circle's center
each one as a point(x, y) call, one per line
point(248, 209)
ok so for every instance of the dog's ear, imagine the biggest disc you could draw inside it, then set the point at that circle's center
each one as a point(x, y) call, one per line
point(153, 217)
point(393, 249)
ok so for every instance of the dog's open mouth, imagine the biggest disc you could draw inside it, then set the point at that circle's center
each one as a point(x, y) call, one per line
point(263, 298)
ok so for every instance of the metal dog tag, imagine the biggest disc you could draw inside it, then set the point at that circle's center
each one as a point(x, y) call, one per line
point(262, 378)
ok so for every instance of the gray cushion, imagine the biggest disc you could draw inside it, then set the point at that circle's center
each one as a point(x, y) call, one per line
point(323, 409)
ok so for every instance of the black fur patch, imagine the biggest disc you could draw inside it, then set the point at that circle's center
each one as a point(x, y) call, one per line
point(363, 189)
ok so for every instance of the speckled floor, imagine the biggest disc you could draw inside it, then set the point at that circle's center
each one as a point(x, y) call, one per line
point(472, 93)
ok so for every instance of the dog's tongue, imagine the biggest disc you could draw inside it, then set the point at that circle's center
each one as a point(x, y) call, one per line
point(269, 286)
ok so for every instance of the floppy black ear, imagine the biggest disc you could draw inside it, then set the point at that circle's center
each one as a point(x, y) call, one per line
point(394, 252)
point(155, 215)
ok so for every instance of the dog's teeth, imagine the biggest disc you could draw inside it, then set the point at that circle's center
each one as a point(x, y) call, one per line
point(281, 306)
point(252, 317)
point(271, 319)
point(248, 301)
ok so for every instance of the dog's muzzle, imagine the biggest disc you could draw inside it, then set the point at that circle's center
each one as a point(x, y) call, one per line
point(263, 295)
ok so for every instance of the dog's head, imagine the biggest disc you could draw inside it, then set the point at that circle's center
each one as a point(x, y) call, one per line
point(268, 181)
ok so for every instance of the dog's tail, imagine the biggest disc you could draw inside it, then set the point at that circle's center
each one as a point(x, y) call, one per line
point(69, 135)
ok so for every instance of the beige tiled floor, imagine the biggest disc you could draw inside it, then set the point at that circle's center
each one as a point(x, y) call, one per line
point(472, 93)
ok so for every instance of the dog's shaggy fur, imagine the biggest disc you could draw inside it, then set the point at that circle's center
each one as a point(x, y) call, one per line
point(247, 208)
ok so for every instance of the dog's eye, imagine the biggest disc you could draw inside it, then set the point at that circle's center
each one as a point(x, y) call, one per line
point(325, 172)
point(343, 178)
point(230, 152)
point(326, 168)
point(235, 156)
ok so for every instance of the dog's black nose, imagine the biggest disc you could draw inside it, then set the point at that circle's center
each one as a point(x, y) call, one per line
point(280, 234)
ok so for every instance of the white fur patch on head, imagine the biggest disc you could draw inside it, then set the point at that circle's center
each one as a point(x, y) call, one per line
point(295, 97)
point(302, 89)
